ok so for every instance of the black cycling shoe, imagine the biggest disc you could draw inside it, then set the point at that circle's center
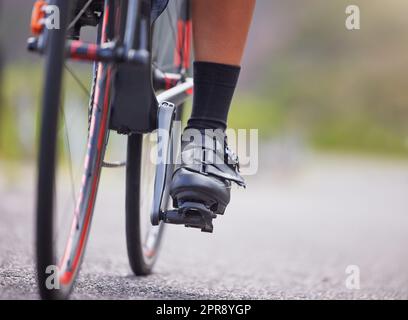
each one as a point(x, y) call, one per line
point(202, 183)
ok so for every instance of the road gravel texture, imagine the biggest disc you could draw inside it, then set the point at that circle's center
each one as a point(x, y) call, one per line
point(290, 235)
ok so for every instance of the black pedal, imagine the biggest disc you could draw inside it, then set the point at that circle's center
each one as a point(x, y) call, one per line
point(192, 215)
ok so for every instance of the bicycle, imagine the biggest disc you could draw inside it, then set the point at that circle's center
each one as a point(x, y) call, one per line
point(139, 81)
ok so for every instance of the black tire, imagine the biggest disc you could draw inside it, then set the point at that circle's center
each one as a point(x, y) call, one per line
point(143, 248)
point(47, 154)
point(140, 261)
point(69, 263)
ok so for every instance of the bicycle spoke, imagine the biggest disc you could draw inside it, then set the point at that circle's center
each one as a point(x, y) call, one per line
point(66, 207)
point(81, 12)
point(170, 44)
point(71, 172)
point(78, 81)
point(174, 32)
point(169, 16)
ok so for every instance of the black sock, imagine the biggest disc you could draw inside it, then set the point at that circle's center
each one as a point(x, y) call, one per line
point(214, 87)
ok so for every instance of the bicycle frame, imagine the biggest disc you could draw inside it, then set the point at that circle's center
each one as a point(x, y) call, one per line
point(134, 106)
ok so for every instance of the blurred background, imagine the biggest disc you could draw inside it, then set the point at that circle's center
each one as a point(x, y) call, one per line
point(331, 107)
point(304, 75)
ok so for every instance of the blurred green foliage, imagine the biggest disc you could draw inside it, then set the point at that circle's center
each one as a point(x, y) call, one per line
point(21, 88)
point(343, 90)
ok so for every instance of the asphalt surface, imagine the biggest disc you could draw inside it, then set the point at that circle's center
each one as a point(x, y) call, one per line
point(290, 235)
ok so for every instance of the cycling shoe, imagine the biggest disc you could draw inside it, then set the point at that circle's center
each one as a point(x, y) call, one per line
point(208, 168)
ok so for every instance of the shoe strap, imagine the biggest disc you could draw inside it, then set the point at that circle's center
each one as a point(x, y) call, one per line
point(208, 161)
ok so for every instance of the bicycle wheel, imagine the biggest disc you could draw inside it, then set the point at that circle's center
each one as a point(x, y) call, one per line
point(70, 158)
point(171, 55)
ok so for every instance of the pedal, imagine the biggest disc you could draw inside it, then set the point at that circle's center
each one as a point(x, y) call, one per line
point(191, 215)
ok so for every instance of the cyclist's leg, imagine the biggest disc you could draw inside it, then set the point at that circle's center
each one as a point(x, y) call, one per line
point(221, 29)
point(220, 32)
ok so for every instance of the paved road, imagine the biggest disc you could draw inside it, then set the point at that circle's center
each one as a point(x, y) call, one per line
point(290, 235)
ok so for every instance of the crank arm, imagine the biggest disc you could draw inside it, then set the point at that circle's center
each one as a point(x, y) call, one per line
point(166, 116)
